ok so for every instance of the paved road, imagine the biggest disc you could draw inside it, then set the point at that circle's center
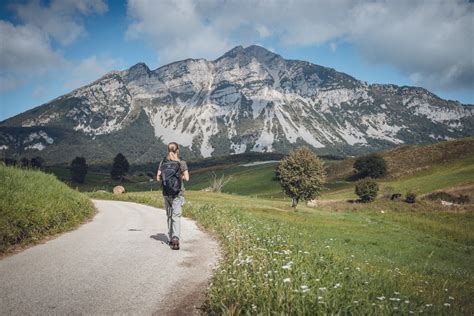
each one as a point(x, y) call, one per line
point(115, 264)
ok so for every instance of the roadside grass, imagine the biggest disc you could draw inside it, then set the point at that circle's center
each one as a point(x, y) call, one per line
point(34, 205)
point(411, 258)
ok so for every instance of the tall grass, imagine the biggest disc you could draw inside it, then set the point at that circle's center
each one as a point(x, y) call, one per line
point(34, 204)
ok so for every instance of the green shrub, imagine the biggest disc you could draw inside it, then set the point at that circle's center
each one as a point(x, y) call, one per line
point(410, 197)
point(367, 189)
point(373, 166)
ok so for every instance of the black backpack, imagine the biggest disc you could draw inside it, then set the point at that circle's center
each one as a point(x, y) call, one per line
point(171, 177)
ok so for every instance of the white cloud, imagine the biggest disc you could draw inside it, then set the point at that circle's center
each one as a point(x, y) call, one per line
point(27, 49)
point(175, 29)
point(90, 69)
point(431, 41)
point(61, 20)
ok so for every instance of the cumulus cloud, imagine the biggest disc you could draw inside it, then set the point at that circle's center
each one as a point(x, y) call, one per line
point(33, 46)
point(91, 69)
point(61, 20)
point(429, 41)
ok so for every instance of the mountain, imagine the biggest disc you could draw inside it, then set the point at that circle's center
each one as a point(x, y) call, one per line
point(249, 99)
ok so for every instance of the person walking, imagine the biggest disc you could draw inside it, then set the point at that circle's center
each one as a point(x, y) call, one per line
point(172, 171)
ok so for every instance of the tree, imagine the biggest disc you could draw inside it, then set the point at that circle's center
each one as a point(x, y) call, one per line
point(37, 162)
point(367, 189)
point(301, 175)
point(373, 166)
point(120, 167)
point(79, 169)
point(24, 162)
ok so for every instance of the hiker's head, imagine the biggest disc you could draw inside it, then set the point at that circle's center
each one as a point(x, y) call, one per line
point(173, 151)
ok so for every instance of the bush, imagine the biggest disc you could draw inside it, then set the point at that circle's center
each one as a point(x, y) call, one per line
point(301, 175)
point(373, 166)
point(367, 189)
point(78, 169)
point(410, 197)
point(120, 167)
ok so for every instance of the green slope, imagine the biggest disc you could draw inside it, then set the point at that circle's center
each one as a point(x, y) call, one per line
point(34, 205)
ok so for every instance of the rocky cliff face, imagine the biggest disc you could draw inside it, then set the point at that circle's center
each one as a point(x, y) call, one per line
point(250, 99)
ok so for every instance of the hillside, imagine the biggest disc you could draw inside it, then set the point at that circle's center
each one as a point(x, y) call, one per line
point(248, 100)
point(418, 168)
point(35, 205)
point(405, 160)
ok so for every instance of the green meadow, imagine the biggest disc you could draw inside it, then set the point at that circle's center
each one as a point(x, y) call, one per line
point(341, 257)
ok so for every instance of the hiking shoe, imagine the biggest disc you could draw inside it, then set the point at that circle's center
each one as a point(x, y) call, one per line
point(175, 244)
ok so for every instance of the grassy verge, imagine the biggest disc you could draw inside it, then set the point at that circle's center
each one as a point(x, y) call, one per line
point(34, 205)
point(316, 261)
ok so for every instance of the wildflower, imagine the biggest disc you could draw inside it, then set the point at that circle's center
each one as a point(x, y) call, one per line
point(394, 299)
point(254, 307)
point(447, 304)
point(320, 297)
point(286, 267)
point(357, 268)
point(338, 285)
point(304, 287)
point(287, 280)
point(428, 305)
point(407, 302)
point(451, 298)
point(317, 280)
point(396, 293)
point(381, 298)
point(322, 289)
point(356, 302)
point(305, 290)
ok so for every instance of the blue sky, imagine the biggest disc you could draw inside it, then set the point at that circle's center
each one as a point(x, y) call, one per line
point(48, 48)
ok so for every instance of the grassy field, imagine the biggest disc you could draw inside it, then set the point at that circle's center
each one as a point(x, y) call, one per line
point(34, 205)
point(318, 261)
point(386, 257)
point(435, 177)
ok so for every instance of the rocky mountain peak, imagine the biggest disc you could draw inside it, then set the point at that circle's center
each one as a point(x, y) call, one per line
point(253, 51)
point(137, 71)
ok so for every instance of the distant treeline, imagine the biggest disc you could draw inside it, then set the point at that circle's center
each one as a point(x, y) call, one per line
point(192, 164)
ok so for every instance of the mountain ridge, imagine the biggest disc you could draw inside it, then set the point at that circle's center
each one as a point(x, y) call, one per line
point(248, 99)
